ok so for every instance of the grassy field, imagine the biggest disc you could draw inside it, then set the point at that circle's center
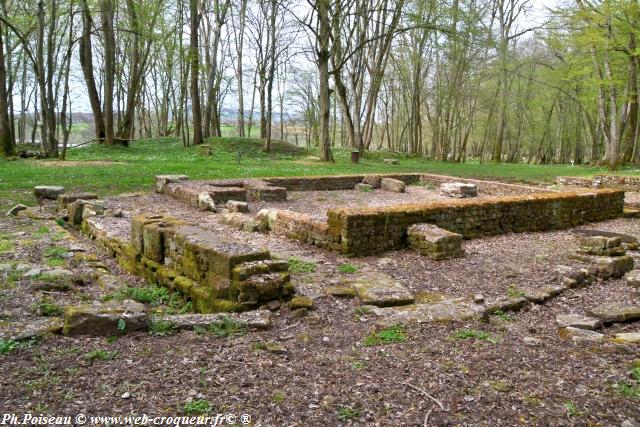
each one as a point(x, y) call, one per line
point(112, 170)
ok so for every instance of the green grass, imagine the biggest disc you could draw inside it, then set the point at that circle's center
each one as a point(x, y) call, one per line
point(514, 292)
point(346, 413)
point(227, 327)
point(467, 334)
point(162, 328)
point(630, 389)
point(138, 164)
point(100, 355)
point(347, 268)
point(296, 265)
point(393, 334)
point(198, 407)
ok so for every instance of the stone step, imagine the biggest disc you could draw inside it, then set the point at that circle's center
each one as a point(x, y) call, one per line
point(445, 311)
point(379, 289)
point(616, 312)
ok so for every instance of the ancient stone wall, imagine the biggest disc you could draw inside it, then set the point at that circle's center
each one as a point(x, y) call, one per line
point(300, 227)
point(216, 273)
point(374, 230)
point(486, 187)
point(620, 182)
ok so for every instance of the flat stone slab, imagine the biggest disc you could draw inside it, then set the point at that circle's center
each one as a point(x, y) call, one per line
point(444, 311)
point(611, 313)
point(380, 290)
point(632, 278)
point(588, 232)
point(163, 180)
point(105, 319)
point(627, 337)
point(65, 199)
point(258, 319)
point(578, 321)
point(394, 185)
point(27, 329)
point(459, 190)
point(578, 335)
point(50, 192)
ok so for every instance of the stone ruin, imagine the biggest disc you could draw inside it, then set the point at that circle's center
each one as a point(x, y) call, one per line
point(459, 190)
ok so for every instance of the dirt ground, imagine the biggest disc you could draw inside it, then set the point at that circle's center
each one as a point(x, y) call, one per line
point(519, 372)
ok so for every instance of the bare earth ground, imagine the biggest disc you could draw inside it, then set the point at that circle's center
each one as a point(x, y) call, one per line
point(326, 376)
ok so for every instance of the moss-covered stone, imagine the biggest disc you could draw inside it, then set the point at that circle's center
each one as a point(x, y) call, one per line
point(300, 302)
point(106, 319)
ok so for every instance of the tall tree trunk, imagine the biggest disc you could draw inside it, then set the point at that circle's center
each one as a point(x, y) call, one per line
point(194, 60)
point(86, 63)
point(7, 143)
point(240, 48)
point(323, 74)
point(109, 68)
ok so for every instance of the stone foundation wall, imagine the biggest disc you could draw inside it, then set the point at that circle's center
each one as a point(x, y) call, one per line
point(216, 273)
point(374, 230)
point(626, 183)
point(300, 227)
point(486, 187)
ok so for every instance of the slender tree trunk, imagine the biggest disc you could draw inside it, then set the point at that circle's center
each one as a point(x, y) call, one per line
point(7, 143)
point(109, 68)
point(323, 55)
point(86, 63)
point(195, 62)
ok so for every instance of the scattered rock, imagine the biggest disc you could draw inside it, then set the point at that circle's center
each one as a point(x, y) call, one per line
point(630, 423)
point(363, 187)
point(17, 208)
point(24, 330)
point(611, 313)
point(300, 312)
point(627, 337)
point(272, 305)
point(394, 185)
point(276, 348)
point(379, 289)
point(578, 321)
point(458, 190)
point(478, 299)
point(531, 341)
point(391, 161)
point(300, 302)
point(256, 319)
point(578, 335)
point(341, 291)
point(508, 304)
point(206, 203)
point(163, 180)
point(632, 278)
point(126, 395)
point(606, 267)
point(237, 206)
point(445, 311)
point(50, 192)
point(33, 272)
point(373, 180)
point(104, 319)
point(601, 245)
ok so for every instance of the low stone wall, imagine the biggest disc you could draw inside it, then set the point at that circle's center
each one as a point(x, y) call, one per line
point(216, 273)
point(300, 227)
point(620, 182)
point(374, 230)
point(486, 187)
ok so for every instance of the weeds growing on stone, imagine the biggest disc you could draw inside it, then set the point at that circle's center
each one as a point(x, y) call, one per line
point(47, 307)
point(514, 292)
point(227, 327)
point(296, 265)
point(162, 328)
point(503, 316)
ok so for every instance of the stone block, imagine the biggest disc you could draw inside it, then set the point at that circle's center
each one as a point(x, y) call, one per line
point(104, 319)
point(578, 321)
point(363, 187)
point(632, 278)
point(206, 203)
point(616, 312)
point(394, 185)
point(373, 180)
point(435, 242)
point(379, 289)
point(601, 246)
point(610, 267)
point(76, 209)
point(50, 192)
point(65, 198)
point(256, 320)
point(238, 206)
point(163, 180)
point(458, 190)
